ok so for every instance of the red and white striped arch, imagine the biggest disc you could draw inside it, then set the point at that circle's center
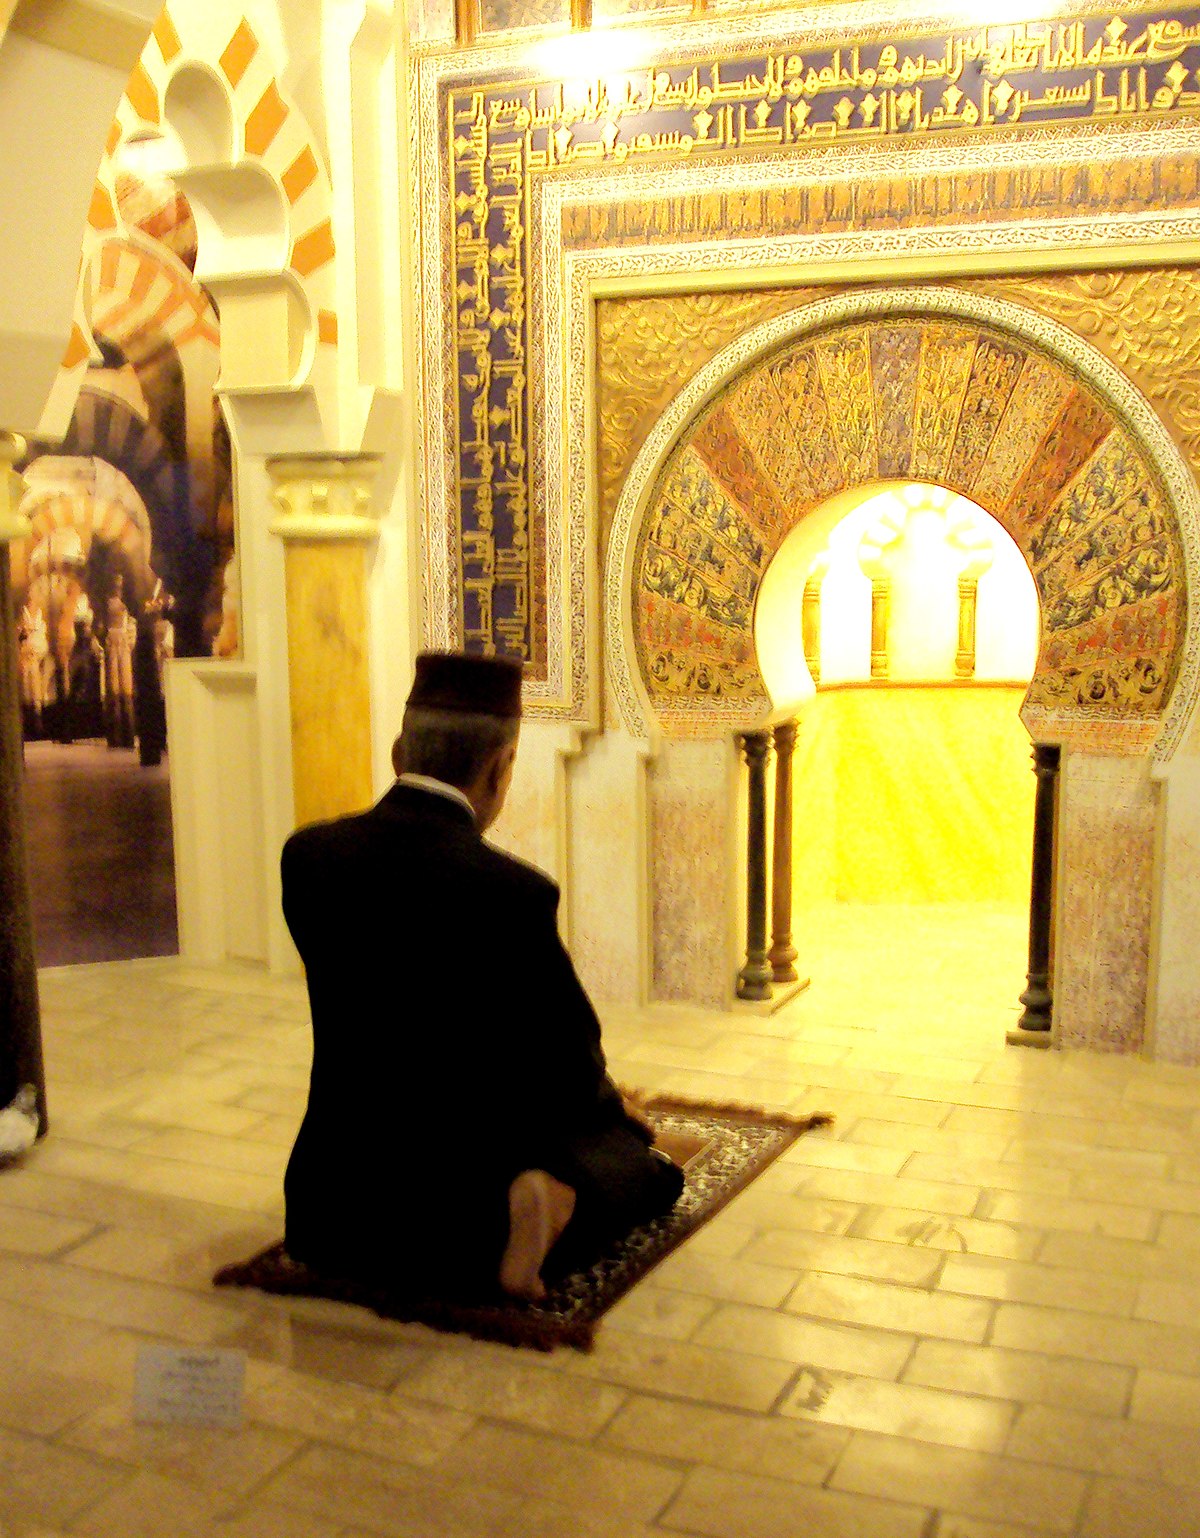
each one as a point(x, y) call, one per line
point(136, 297)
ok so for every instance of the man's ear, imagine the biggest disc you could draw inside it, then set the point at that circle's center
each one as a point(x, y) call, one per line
point(499, 765)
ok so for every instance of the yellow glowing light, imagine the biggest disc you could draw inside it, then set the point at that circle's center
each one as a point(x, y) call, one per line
point(917, 541)
point(600, 56)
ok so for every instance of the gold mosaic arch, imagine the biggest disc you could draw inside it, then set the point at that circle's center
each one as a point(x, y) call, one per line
point(268, 130)
point(915, 391)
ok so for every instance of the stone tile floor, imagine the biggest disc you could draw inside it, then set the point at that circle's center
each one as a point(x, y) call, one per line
point(969, 1310)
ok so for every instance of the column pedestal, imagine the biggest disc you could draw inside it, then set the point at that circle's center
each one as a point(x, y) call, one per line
point(326, 524)
point(20, 1016)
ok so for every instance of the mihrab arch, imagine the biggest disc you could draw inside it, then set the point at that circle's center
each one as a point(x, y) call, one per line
point(930, 384)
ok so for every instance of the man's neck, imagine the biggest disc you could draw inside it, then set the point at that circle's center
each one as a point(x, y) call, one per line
point(438, 788)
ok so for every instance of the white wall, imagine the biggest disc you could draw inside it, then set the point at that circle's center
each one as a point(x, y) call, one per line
point(61, 77)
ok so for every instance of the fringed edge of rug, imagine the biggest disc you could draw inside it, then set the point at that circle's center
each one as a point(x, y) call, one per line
point(647, 1100)
point(273, 1270)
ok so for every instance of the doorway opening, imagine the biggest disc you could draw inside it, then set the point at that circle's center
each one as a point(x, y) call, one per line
point(907, 619)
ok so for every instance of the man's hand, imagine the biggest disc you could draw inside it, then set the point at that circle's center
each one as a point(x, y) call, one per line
point(632, 1099)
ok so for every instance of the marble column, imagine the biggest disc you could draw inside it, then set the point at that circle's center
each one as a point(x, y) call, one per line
point(326, 523)
point(754, 980)
point(1037, 1000)
point(881, 600)
point(20, 1017)
point(783, 952)
point(968, 603)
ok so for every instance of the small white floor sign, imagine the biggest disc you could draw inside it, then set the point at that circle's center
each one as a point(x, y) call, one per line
point(173, 1386)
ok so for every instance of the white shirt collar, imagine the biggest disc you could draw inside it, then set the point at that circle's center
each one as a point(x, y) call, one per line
point(437, 787)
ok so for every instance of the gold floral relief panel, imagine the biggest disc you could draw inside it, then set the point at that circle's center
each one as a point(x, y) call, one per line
point(895, 357)
point(1074, 435)
point(1146, 321)
point(845, 364)
point(995, 369)
point(1122, 664)
point(943, 373)
point(647, 349)
point(805, 424)
point(1040, 394)
point(1015, 430)
point(1104, 489)
point(730, 460)
point(760, 411)
point(699, 565)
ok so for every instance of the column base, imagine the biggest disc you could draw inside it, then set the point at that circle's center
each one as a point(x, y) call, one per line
point(775, 1002)
point(1020, 1037)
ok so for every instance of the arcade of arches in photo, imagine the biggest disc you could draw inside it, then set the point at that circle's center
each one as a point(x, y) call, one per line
point(130, 560)
point(760, 368)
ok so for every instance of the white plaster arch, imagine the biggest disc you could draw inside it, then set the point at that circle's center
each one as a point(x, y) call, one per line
point(1035, 330)
point(77, 59)
point(198, 109)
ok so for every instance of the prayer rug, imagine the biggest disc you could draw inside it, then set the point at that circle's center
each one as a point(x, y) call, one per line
point(722, 1147)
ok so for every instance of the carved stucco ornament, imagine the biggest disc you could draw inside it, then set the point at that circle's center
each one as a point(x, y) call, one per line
point(324, 496)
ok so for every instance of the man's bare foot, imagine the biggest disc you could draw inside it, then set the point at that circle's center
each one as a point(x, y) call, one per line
point(539, 1208)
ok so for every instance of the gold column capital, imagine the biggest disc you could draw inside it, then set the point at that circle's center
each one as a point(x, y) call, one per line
point(13, 523)
point(324, 496)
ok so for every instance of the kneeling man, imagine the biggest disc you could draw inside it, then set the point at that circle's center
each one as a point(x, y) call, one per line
point(462, 1128)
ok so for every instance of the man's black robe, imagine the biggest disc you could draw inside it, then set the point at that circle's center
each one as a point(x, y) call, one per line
point(453, 1047)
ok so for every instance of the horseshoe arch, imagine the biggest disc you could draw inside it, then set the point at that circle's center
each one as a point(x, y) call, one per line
point(931, 384)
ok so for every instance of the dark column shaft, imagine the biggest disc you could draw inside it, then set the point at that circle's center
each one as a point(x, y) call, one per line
point(783, 952)
point(20, 1021)
point(754, 980)
point(1037, 999)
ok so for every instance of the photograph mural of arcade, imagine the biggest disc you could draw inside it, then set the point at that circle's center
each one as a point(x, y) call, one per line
point(130, 561)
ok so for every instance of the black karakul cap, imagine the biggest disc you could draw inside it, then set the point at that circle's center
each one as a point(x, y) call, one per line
point(479, 686)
